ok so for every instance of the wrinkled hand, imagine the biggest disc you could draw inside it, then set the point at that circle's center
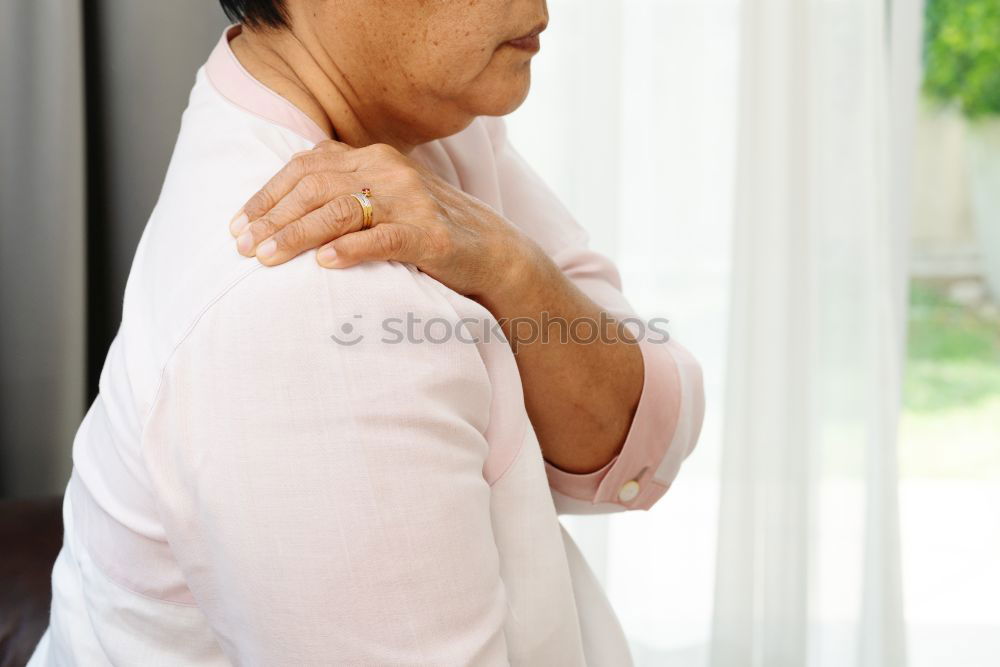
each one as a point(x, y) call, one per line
point(417, 218)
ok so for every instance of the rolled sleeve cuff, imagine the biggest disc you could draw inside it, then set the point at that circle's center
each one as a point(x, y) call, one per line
point(664, 429)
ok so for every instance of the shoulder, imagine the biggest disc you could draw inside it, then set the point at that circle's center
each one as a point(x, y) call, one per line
point(381, 329)
point(186, 259)
point(289, 375)
point(302, 296)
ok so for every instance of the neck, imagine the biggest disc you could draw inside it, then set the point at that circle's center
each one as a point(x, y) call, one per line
point(296, 67)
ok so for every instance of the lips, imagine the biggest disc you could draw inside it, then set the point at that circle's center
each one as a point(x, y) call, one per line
point(529, 41)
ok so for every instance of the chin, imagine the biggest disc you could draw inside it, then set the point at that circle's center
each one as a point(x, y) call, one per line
point(504, 96)
point(496, 95)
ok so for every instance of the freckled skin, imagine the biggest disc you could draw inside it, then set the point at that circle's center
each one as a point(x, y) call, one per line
point(423, 69)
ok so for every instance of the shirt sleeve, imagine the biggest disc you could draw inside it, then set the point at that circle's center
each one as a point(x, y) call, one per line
point(318, 491)
point(669, 416)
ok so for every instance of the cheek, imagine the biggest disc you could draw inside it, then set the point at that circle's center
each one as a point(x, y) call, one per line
point(458, 60)
point(460, 38)
point(452, 57)
point(435, 66)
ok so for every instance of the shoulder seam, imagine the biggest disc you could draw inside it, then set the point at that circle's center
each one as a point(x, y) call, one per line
point(187, 334)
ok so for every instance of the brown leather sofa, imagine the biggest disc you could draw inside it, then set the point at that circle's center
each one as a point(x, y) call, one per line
point(30, 538)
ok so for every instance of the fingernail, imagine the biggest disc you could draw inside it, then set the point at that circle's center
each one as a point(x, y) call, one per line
point(245, 243)
point(326, 256)
point(266, 249)
point(239, 223)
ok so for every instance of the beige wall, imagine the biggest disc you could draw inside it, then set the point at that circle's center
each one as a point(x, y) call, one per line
point(943, 240)
point(942, 211)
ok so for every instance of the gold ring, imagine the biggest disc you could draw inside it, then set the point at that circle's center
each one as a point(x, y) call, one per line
point(366, 207)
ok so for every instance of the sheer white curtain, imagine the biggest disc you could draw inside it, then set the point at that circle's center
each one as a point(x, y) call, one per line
point(632, 120)
point(734, 157)
point(809, 563)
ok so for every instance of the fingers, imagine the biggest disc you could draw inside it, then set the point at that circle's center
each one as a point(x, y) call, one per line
point(311, 193)
point(328, 157)
point(294, 212)
point(390, 241)
point(340, 216)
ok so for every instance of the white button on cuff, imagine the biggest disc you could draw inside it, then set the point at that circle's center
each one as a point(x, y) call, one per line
point(629, 491)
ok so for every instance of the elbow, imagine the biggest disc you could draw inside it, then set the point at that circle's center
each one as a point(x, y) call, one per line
point(690, 389)
point(692, 408)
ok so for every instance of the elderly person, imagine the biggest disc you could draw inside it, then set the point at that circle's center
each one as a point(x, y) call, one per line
point(332, 456)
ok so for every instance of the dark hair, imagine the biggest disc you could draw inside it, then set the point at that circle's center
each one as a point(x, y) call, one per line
point(256, 13)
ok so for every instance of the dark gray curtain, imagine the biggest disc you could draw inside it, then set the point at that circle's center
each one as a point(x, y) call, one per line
point(91, 93)
point(42, 243)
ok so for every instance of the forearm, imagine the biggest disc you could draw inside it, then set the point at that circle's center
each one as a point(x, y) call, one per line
point(580, 393)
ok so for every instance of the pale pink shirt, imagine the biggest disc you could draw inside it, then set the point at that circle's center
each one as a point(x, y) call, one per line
point(248, 490)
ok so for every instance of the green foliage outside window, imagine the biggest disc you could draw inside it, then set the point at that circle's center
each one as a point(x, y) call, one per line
point(962, 55)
